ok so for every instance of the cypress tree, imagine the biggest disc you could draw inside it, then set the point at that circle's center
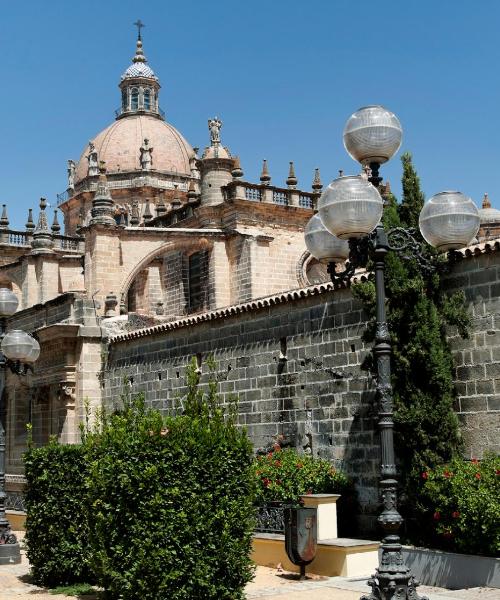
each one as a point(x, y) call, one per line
point(426, 427)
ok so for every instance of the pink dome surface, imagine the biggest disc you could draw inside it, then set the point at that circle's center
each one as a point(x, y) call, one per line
point(119, 146)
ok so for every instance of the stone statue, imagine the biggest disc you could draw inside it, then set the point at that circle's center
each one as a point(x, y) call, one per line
point(214, 126)
point(93, 160)
point(71, 174)
point(146, 156)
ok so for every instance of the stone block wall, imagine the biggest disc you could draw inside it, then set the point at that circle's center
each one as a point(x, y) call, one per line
point(294, 361)
point(477, 359)
point(295, 367)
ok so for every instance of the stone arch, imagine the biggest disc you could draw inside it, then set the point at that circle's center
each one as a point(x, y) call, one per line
point(189, 245)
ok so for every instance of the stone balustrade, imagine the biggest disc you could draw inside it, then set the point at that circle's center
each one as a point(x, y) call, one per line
point(242, 190)
point(23, 239)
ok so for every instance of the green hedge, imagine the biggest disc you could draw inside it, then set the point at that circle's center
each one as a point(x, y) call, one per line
point(460, 506)
point(172, 503)
point(57, 531)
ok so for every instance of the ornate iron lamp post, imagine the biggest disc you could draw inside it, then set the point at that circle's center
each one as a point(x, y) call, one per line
point(348, 225)
point(18, 350)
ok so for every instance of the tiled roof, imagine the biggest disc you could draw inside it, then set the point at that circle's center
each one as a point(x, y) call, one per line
point(139, 69)
point(314, 290)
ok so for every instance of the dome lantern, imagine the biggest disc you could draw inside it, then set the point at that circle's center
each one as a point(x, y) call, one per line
point(139, 85)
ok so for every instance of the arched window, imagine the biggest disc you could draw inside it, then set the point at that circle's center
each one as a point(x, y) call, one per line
point(124, 99)
point(134, 104)
point(147, 100)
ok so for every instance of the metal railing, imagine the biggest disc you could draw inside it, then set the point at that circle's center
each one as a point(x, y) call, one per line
point(270, 518)
point(126, 111)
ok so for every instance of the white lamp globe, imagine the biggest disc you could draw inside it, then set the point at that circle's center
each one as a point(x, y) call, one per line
point(449, 220)
point(372, 134)
point(350, 207)
point(8, 302)
point(323, 245)
point(34, 352)
point(16, 344)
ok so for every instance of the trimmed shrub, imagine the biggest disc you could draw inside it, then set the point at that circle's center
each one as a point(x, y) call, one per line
point(57, 530)
point(460, 506)
point(283, 475)
point(172, 501)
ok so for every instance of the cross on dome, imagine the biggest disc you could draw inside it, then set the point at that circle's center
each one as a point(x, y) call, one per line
point(139, 24)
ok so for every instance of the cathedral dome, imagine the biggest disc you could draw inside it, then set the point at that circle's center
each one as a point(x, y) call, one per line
point(488, 214)
point(119, 145)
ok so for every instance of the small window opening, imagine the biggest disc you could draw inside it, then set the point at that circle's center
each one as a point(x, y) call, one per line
point(147, 100)
point(134, 104)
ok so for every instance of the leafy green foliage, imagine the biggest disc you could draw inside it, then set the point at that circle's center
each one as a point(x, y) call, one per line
point(418, 312)
point(461, 504)
point(284, 475)
point(172, 500)
point(57, 530)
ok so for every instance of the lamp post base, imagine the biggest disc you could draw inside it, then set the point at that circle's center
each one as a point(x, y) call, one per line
point(393, 580)
point(10, 554)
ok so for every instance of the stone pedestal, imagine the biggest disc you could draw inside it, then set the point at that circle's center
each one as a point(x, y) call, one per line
point(327, 513)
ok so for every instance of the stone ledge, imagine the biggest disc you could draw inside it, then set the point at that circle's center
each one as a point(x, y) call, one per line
point(344, 557)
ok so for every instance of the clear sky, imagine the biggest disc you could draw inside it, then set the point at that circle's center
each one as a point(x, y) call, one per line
point(283, 75)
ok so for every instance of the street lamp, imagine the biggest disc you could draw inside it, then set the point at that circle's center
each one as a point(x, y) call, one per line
point(351, 208)
point(18, 351)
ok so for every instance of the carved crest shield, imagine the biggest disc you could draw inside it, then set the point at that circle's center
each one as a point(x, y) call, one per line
point(301, 534)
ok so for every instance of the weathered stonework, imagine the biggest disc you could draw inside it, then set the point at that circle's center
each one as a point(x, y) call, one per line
point(294, 361)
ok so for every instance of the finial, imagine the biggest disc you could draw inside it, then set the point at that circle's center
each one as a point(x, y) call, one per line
point(237, 171)
point(42, 238)
point(486, 201)
point(139, 53)
point(147, 216)
point(4, 221)
point(56, 228)
point(161, 208)
point(192, 194)
point(291, 180)
point(341, 172)
point(317, 186)
point(102, 212)
point(30, 225)
point(264, 176)
point(176, 201)
point(134, 214)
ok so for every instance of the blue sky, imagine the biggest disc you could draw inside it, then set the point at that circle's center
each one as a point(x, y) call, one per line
point(283, 76)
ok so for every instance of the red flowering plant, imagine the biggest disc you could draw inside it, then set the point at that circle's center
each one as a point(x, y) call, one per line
point(284, 475)
point(460, 505)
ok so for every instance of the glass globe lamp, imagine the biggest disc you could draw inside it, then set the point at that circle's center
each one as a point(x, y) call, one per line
point(449, 220)
point(350, 207)
point(17, 344)
point(8, 302)
point(34, 352)
point(372, 135)
point(322, 244)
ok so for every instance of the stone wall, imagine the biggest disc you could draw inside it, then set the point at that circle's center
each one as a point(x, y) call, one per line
point(295, 367)
point(294, 361)
point(477, 359)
